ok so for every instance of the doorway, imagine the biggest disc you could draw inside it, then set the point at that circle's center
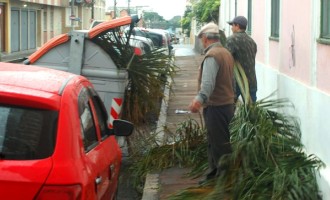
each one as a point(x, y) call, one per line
point(2, 27)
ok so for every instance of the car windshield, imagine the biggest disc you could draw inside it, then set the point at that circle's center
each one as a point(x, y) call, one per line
point(26, 133)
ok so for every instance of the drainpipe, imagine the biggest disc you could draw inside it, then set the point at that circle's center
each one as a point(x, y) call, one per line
point(72, 15)
point(235, 8)
point(92, 10)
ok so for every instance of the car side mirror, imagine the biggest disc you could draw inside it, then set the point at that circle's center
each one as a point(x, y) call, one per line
point(121, 128)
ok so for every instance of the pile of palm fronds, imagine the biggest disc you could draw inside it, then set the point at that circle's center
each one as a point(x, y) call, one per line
point(188, 150)
point(148, 75)
point(268, 160)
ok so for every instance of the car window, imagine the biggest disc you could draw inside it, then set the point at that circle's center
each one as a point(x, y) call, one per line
point(88, 128)
point(100, 112)
point(27, 133)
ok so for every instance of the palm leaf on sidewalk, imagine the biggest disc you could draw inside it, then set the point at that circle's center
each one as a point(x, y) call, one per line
point(268, 159)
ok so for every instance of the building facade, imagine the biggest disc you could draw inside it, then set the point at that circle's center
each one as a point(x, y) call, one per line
point(26, 25)
point(293, 39)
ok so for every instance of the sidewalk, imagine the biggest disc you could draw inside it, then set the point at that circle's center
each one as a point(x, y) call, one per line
point(16, 56)
point(161, 185)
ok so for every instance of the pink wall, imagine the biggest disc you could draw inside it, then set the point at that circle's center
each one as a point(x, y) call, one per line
point(274, 54)
point(323, 67)
point(258, 28)
point(296, 23)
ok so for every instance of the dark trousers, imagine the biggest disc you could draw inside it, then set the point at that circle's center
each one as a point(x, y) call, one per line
point(217, 119)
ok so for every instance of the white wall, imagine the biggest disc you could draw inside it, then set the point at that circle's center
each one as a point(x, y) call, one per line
point(311, 108)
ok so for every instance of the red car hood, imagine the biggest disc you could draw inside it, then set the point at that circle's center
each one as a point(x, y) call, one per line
point(23, 179)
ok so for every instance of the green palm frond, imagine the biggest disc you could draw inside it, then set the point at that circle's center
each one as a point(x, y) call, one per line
point(188, 150)
point(148, 75)
point(242, 82)
point(193, 193)
point(268, 160)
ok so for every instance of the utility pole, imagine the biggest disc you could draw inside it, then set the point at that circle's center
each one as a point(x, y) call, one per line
point(128, 2)
point(92, 12)
point(114, 9)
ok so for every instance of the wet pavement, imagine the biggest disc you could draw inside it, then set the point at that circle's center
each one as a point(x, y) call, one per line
point(160, 186)
point(184, 50)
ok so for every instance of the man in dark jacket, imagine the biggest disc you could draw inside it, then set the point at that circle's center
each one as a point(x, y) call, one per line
point(244, 50)
point(215, 95)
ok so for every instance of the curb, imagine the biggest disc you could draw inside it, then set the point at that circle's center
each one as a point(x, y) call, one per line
point(151, 187)
point(152, 183)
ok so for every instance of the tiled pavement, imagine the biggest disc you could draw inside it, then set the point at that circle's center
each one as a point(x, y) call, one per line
point(160, 186)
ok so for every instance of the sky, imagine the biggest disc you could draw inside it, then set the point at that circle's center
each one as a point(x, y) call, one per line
point(166, 8)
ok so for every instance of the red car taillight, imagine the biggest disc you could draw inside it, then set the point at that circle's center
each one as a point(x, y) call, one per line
point(70, 192)
point(137, 51)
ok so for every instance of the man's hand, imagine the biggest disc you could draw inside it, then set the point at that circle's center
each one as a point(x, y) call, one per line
point(195, 106)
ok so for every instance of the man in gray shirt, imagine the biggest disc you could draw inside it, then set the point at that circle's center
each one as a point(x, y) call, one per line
point(215, 95)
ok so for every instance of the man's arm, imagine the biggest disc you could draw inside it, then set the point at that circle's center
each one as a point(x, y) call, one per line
point(210, 70)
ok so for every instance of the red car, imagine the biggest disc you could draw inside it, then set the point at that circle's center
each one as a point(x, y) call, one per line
point(55, 142)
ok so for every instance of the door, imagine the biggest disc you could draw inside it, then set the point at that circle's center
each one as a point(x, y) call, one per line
point(2, 27)
point(15, 31)
point(109, 162)
point(33, 30)
point(96, 154)
point(24, 30)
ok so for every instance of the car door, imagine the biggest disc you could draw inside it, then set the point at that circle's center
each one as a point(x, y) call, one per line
point(97, 166)
point(110, 155)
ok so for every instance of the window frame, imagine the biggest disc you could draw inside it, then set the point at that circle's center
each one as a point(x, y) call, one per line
point(85, 108)
point(325, 21)
point(100, 112)
point(68, 13)
point(275, 19)
point(249, 17)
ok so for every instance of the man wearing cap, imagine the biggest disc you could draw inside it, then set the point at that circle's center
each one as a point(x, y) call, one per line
point(215, 95)
point(244, 50)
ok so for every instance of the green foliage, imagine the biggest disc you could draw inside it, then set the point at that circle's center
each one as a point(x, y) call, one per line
point(186, 148)
point(186, 20)
point(202, 11)
point(116, 45)
point(154, 20)
point(268, 160)
point(206, 11)
point(175, 22)
point(148, 75)
point(152, 16)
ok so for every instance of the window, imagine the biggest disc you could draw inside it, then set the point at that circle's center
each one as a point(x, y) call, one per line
point(101, 113)
point(51, 21)
point(68, 13)
point(249, 17)
point(275, 19)
point(89, 133)
point(27, 133)
point(45, 21)
point(325, 19)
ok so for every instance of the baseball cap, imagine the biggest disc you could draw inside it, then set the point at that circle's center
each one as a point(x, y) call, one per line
point(238, 20)
point(209, 28)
